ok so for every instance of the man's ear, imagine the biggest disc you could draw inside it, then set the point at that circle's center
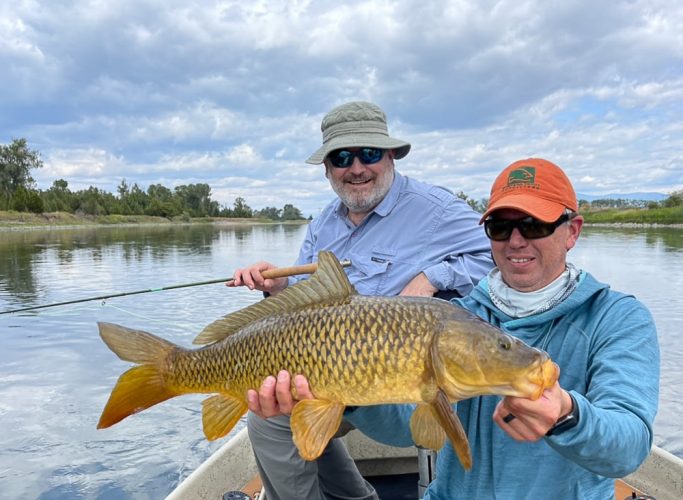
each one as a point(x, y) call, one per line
point(575, 226)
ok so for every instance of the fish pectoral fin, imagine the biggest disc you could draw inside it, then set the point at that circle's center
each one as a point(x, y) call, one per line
point(313, 423)
point(426, 429)
point(220, 413)
point(451, 424)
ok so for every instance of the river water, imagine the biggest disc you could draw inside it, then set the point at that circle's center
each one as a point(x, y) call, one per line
point(56, 373)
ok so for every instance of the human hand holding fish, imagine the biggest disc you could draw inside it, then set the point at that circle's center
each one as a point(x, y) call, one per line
point(532, 418)
point(275, 396)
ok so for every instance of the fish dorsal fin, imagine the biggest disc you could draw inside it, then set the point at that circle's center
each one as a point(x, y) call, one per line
point(328, 285)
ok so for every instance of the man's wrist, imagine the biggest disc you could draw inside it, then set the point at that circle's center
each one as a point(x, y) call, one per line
point(566, 422)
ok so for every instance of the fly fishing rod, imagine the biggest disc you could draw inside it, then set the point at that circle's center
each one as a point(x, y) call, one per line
point(279, 272)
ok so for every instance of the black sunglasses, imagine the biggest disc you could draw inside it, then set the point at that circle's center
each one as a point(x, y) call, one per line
point(529, 228)
point(343, 158)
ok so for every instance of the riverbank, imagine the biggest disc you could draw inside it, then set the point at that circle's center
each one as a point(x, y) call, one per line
point(23, 221)
point(635, 217)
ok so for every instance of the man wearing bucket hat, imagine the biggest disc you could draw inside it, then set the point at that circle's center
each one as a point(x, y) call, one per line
point(401, 236)
point(596, 423)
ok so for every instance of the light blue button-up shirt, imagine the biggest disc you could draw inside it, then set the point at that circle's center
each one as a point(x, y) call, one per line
point(416, 228)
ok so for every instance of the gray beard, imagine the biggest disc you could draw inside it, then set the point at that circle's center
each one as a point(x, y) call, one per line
point(359, 203)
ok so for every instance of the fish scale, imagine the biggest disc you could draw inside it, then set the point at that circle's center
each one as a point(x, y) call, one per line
point(367, 333)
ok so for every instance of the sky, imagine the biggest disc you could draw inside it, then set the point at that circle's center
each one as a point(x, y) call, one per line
point(231, 93)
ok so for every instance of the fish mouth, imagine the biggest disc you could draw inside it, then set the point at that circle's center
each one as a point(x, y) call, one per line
point(544, 378)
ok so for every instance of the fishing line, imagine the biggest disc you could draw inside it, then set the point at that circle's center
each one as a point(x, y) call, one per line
point(80, 309)
point(114, 295)
point(141, 316)
point(279, 272)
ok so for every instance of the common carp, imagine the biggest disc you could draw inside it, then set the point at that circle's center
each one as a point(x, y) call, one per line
point(354, 349)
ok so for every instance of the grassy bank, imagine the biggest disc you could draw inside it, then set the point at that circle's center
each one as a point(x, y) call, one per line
point(659, 216)
point(19, 220)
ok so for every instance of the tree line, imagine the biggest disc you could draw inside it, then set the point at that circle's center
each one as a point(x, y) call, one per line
point(18, 192)
point(674, 199)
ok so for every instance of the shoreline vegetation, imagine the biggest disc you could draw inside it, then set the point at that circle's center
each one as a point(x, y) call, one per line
point(17, 221)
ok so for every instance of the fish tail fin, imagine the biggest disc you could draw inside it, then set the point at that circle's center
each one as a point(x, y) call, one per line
point(135, 345)
point(136, 390)
point(142, 386)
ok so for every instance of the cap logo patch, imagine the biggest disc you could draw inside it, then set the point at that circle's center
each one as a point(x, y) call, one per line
point(522, 177)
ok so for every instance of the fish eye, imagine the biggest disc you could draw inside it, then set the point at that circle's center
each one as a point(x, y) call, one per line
point(504, 343)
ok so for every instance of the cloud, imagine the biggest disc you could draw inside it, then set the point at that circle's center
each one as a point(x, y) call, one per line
point(231, 93)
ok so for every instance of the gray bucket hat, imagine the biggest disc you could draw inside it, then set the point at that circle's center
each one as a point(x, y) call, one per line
point(356, 125)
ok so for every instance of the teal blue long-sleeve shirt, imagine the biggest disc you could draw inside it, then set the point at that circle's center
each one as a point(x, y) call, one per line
point(605, 343)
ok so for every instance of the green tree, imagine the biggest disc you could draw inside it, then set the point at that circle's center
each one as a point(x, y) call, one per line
point(290, 212)
point(159, 192)
point(122, 189)
point(27, 200)
point(675, 199)
point(58, 198)
point(16, 163)
point(241, 209)
point(163, 202)
point(137, 200)
point(477, 206)
point(197, 198)
point(92, 201)
point(271, 213)
point(132, 199)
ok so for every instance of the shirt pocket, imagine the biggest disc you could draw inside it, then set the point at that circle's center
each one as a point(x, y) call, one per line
point(370, 270)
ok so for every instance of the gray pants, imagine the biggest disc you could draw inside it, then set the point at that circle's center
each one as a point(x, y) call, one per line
point(287, 476)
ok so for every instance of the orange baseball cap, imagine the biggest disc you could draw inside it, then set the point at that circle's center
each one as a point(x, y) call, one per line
point(534, 186)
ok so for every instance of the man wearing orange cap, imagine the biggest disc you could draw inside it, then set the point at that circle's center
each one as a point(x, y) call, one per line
point(595, 424)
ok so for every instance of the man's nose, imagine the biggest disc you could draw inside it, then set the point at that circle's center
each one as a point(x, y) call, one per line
point(357, 166)
point(516, 238)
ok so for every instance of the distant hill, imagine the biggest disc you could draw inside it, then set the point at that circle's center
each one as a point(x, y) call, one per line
point(622, 196)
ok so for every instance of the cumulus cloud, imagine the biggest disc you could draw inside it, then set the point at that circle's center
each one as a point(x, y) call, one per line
point(231, 93)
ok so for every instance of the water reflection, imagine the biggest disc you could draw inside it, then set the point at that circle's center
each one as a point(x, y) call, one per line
point(24, 253)
point(16, 267)
point(669, 239)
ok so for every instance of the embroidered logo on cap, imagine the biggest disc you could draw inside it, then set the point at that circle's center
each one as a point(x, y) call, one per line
point(522, 177)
